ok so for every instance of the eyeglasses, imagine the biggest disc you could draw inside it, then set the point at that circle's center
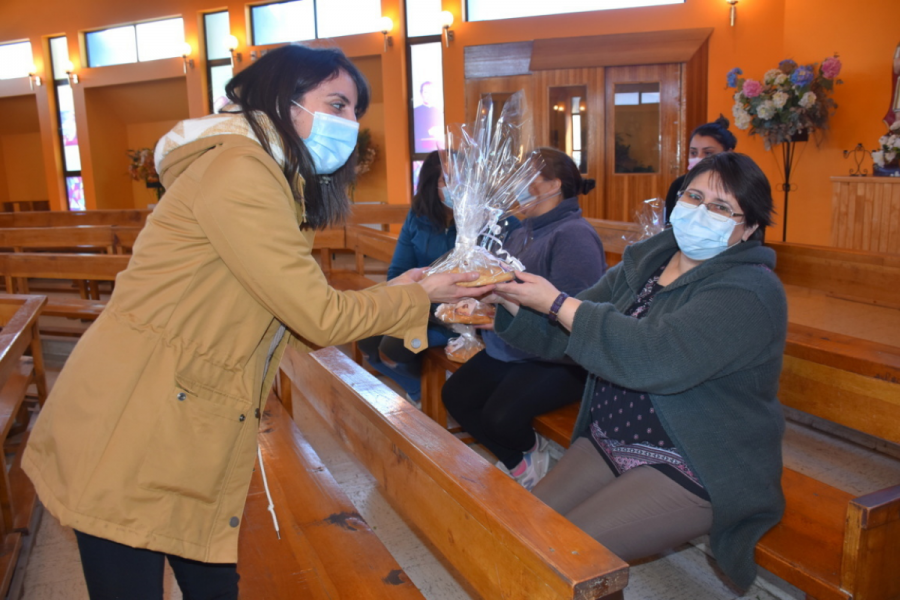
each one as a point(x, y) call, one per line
point(694, 199)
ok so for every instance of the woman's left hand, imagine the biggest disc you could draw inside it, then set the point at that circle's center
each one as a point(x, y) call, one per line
point(534, 291)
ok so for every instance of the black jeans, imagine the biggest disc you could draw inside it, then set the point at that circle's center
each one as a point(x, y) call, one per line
point(495, 401)
point(114, 571)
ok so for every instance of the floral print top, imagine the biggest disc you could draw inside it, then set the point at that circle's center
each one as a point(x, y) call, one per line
point(625, 428)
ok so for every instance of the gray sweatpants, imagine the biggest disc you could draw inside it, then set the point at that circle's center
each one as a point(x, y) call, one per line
point(638, 514)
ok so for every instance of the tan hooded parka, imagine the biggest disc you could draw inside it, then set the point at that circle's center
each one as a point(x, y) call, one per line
point(149, 435)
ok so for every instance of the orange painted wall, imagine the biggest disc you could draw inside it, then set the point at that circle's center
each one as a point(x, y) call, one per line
point(766, 32)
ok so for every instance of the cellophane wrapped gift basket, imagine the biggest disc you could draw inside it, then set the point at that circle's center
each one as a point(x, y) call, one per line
point(488, 167)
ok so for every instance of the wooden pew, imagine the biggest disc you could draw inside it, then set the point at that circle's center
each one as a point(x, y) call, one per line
point(129, 218)
point(125, 238)
point(502, 541)
point(365, 241)
point(93, 267)
point(18, 318)
point(326, 549)
point(611, 234)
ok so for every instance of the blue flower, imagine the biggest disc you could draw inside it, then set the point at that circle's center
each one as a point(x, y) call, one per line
point(787, 66)
point(802, 76)
point(732, 77)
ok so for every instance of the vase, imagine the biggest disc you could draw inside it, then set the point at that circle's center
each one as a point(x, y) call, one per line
point(891, 170)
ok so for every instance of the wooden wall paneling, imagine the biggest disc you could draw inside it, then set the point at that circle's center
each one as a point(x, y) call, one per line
point(475, 88)
point(592, 205)
point(626, 191)
point(642, 48)
point(695, 104)
point(866, 213)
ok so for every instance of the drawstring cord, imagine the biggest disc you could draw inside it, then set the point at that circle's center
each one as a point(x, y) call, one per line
point(271, 507)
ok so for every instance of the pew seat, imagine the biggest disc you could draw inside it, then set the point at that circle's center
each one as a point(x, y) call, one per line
point(501, 540)
point(326, 549)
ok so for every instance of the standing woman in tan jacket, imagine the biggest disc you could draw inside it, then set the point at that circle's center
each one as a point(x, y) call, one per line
point(147, 443)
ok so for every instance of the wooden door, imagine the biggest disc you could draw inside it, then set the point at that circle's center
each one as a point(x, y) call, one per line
point(644, 123)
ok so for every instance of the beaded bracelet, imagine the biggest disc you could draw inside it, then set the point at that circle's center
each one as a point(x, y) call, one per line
point(553, 315)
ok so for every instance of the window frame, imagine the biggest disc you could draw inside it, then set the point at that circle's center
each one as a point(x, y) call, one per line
point(66, 173)
point(87, 52)
point(252, 18)
point(213, 62)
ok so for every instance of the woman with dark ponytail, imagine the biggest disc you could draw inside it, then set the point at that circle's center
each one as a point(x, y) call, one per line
point(706, 140)
point(500, 390)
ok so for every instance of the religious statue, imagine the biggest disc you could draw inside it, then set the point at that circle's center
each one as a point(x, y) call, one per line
point(893, 113)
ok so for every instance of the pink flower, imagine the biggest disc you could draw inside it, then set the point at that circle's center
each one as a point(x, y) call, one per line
point(752, 88)
point(831, 67)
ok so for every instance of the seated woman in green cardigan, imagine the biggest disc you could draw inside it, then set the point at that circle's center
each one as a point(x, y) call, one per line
point(679, 432)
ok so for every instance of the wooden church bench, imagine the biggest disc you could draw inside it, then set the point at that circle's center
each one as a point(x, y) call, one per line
point(91, 267)
point(18, 318)
point(326, 549)
point(127, 217)
point(500, 539)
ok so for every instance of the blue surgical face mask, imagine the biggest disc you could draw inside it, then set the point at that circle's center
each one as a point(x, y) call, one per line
point(700, 234)
point(331, 141)
point(445, 197)
point(524, 197)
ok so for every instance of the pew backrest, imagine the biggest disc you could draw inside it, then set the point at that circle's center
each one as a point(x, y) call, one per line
point(96, 267)
point(58, 238)
point(131, 218)
point(615, 236)
point(378, 214)
point(850, 274)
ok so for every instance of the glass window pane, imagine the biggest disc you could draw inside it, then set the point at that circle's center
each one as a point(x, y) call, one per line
point(15, 60)
point(416, 169)
point(218, 30)
point(160, 39)
point(348, 17)
point(67, 125)
point(637, 130)
point(423, 17)
point(489, 10)
point(219, 77)
point(428, 97)
point(59, 53)
point(568, 131)
point(75, 193)
point(111, 47)
point(283, 22)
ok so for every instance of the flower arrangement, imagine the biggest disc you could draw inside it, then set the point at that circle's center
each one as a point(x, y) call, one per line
point(366, 150)
point(789, 101)
point(887, 157)
point(142, 167)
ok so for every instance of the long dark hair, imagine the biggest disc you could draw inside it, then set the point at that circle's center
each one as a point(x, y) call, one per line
point(269, 85)
point(558, 165)
point(427, 202)
point(718, 130)
point(739, 176)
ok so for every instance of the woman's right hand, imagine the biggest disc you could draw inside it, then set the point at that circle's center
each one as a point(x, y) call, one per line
point(441, 287)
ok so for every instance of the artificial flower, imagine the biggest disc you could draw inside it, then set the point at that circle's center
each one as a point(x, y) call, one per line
point(831, 67)
point(802, 76)
point(752, 88)
point(808, 100)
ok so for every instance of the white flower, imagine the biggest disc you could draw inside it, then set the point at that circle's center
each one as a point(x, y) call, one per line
point(896, 125)
point(808, 99)
point(771, 75)
point(737, 110)
point(889, 156)
point(780, 99)
point(742, 120)
point(883, 140)
point(893, 141)
point(766, 110)
point(739, 97)
point(878, 158)
point(780, 79)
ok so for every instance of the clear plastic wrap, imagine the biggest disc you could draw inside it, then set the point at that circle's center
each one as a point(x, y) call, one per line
point(468, 311)
point(462, 348)
point(488, 167)
point(651, 219)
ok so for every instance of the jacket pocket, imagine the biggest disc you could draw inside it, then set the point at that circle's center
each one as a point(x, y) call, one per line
point(193, 442)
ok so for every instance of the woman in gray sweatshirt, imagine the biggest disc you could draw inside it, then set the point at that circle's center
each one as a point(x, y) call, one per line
point(680, 429)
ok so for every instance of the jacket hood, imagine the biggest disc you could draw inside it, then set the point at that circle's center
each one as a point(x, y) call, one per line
point(642, 259)
point(190, 139)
